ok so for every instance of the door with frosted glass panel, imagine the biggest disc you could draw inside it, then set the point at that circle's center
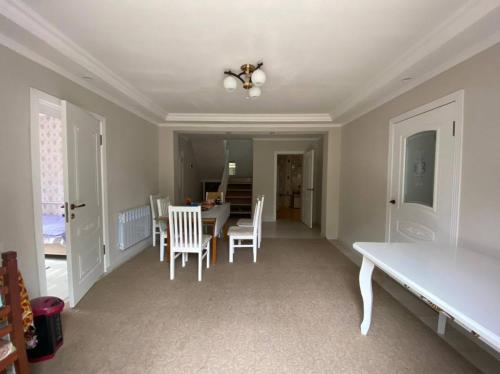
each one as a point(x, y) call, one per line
point(422, 177)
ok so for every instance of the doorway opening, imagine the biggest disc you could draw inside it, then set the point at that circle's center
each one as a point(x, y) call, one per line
point(68, 157)
point(51, 156)
point(289, 188)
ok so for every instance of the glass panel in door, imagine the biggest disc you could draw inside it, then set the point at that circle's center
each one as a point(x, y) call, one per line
point(419, 168)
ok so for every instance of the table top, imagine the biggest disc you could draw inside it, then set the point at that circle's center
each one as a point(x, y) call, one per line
point(463, 282)
point(217, 211)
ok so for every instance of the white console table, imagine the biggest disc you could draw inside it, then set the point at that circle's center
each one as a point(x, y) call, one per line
point(460, 284)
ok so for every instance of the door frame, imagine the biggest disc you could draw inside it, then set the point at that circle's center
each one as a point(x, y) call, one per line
point(276, 153)
point(457, 98)
point(37, 99)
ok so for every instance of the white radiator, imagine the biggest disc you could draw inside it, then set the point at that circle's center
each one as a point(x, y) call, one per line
point(134, 225)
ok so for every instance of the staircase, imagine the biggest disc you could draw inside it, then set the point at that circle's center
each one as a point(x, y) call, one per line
point(239, 194)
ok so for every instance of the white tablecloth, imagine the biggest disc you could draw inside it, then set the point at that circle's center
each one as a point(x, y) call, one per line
point(221, 215)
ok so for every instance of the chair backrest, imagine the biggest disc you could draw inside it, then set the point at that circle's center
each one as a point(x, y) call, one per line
point(185, 227)
point(154, 206)
point(214, 196)
point(256, 216)
point(163, 204)
point(261, 207)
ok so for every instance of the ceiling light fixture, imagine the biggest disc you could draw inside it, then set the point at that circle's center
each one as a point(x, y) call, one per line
point(252, 77)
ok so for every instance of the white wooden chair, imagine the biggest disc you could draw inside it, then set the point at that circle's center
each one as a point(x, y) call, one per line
point(239, 236)
point(248, 222)
point(154, 214)
point(162, 205)
point(186, 236)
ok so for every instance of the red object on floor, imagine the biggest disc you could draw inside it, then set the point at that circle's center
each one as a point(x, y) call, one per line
point(47, 315)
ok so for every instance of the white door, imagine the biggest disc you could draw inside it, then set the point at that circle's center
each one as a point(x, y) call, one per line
point(422, 177)
point(83, 196)
point(308, 188)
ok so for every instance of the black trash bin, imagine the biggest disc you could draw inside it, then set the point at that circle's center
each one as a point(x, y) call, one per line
point(47, 315)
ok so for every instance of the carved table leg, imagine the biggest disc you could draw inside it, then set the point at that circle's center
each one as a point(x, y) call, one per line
point(365, 284)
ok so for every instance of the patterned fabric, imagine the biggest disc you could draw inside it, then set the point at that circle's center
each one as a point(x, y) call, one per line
point(51, 164)
point(28, 322)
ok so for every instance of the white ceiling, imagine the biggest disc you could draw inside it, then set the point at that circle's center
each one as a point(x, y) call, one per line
point(169, 56)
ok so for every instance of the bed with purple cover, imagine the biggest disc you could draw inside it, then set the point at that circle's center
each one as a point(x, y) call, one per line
point(54, 229)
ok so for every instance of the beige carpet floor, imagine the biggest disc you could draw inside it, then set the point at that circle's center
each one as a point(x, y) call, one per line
point(296, 311)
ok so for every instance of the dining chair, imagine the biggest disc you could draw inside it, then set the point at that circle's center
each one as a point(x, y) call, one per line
point(186, 236)
point(155, 227)
point(162, 204)
point(239, 236)
point(248, 222)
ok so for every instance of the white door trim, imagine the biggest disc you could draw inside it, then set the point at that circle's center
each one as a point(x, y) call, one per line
point(37, 100)
point(276, 153)
point(458, 98)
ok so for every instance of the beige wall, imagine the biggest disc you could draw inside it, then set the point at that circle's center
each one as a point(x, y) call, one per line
point(166, 163)
point(264, 170)
point(191, 181)
point(331, 184)
point(132, 157)
point(365, 152)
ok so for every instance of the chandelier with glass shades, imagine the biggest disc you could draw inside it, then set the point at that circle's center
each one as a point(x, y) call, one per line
point(252, 77)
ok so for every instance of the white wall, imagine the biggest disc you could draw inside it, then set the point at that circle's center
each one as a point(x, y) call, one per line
point(264, 171)
point(132, 158)
point(365, 152)
point(241, 152)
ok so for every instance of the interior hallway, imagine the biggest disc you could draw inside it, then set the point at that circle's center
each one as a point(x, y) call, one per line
point(291, 229)
point(297, 310)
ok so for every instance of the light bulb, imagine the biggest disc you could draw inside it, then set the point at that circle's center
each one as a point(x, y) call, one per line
point(258, 77)
point(230, 83)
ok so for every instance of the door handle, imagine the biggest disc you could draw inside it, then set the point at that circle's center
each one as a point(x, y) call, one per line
point(73, 206)
point(393, 202)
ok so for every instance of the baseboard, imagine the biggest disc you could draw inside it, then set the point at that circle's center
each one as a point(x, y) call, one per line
point(128, 254)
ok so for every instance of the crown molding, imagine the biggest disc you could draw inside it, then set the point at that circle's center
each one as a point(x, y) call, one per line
point(458, 22)
point(22, 15)
point(238, 127)
point(29, 54)
point(463, 56)
point(285, 139)
point(249, 118)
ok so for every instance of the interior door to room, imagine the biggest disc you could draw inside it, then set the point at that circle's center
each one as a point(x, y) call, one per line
point(422, 177)
point(308, 188)
point(83, 199)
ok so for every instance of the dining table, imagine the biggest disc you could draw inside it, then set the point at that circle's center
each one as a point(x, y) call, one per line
point(215, 218)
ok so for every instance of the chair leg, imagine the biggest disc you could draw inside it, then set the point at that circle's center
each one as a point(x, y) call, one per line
point(231, 249)
point(254, 242)
point(162, 247)
point(183, 260)
point(200, 260)
point(172, 264)
point(208, 255)
point(154, 236)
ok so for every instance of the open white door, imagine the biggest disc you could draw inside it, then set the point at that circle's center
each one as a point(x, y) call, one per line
point(308, 188)
point(83, 197)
